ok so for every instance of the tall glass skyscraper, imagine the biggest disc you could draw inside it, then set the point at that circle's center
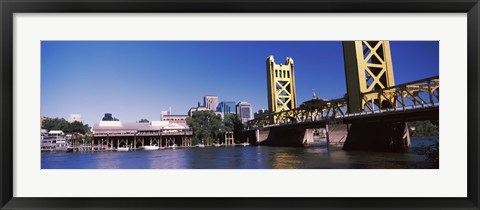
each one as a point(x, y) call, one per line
point(226, 107)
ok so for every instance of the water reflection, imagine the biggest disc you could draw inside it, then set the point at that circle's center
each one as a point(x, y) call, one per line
point(171, 158)
point(235, 158)
point(108, 160)
point(286, 161)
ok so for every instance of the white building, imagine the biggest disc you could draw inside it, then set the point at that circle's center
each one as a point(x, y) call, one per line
point(194, 109)
point(210, 102)
point(175, 118)
point(75, 117)
point(163, 114)
point(117, 134)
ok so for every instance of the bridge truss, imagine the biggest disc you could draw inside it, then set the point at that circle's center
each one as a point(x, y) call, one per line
point(420, 94)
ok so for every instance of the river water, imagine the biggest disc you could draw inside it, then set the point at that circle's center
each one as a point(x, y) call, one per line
point(240, 157)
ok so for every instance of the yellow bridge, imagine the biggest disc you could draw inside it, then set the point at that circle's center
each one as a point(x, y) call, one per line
point(421, 95)
point(371, 116)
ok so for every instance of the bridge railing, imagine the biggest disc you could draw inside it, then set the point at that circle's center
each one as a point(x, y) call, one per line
point(308, 113)
point(413, 95)
point(416, 94)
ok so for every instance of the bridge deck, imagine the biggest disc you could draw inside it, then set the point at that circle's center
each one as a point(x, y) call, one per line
point(417, 100)
point(387, 115)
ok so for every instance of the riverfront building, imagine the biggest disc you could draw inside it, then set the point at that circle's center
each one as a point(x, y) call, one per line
point(175, 118)
point(226, 107)
point(163, 113)
point(109, 135)
point(244, 111)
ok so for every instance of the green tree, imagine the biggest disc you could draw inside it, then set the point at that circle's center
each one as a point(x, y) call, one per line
point(206, 126)
point(75, 127)
point(87, 129)
point(65, 126)
point(55, 124)
point(432, 155)
point(88, 137)
point(230, 121)
point(424, 128)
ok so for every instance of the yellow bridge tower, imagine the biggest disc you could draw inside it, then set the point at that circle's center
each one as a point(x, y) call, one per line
point(281, 86)
point(368, 67)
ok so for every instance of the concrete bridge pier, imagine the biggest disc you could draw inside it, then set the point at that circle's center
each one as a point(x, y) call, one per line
point(364, 136)
point(378, 136)
point(308, 136)
point(261, 136)
point(285, 136)
point(252, 136)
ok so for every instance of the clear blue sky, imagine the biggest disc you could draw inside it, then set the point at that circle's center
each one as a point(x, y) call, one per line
point(139, 79)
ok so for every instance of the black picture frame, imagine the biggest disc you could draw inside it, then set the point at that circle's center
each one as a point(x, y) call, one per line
point(9, 7)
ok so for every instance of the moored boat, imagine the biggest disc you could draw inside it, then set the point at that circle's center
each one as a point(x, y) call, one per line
point(54, 141)
point(123, 149)
point(245, 144)
point(151, 147)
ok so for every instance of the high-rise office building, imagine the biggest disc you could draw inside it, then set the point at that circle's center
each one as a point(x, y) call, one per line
point(210, 102)
point(226, 107)
point(244, 111)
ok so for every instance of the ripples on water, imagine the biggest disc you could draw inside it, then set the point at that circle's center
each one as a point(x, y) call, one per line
point(239, 158)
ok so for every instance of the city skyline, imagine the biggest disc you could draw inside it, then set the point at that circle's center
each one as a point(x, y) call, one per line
point(139, 79)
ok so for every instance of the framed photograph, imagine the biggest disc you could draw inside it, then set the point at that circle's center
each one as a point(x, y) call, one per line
point(239, 105)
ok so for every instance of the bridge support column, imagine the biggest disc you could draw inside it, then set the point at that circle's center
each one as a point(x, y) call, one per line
point(281, 86)
point(289, 137)
point(327, 135)
point(378, 136)
point(261, 136)
point(308, 136)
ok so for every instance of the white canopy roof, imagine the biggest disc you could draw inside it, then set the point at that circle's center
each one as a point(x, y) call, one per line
point(55, 132)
